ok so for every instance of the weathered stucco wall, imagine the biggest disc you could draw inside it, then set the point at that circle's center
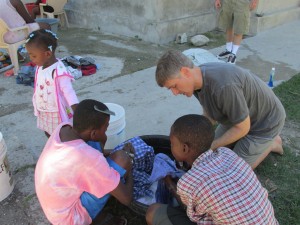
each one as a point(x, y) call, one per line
point(159, 21)
point(272, 13)
point(152, 20)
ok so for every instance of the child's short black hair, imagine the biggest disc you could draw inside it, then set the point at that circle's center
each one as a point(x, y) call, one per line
point(194, 130)
point(87, 117)
point(45, 39)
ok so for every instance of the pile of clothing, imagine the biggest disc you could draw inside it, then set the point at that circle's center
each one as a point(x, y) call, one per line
point(5, 62)
point(26, 74)
point(80, 66)
point(148, 171)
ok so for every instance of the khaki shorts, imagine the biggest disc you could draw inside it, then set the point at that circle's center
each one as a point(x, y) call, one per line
point(167, 215)
point(235, 14)
point(250, 147)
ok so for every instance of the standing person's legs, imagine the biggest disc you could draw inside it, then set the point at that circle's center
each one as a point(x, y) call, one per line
point(241, 22)
point(237, 39)
point(229, 35)
point(225, 22)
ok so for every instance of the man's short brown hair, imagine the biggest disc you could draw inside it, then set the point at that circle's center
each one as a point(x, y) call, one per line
point(169, 66)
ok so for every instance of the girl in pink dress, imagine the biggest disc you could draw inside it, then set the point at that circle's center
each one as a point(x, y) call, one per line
point(54, 98)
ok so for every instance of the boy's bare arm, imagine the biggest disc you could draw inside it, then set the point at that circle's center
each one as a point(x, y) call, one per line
point(173, 189)
point(127, 148)
point(123, 192)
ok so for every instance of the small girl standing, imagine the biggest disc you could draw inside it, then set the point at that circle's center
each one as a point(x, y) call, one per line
point(54, 98)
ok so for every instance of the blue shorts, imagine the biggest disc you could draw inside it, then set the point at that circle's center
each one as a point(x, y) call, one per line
point(90, 202)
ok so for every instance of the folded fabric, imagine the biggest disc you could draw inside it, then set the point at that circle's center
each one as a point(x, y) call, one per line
point(26, 75)
point(76, 73)
point(75, 63)
point(142, 166)
point(72, 60)
point(163, 194)
point(86, 61)
point(163, 166)
point(148, 200)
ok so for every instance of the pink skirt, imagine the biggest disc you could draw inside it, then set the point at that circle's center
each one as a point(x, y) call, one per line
point(48, 121)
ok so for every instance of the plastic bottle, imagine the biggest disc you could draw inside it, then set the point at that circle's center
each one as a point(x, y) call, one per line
point(272, 73)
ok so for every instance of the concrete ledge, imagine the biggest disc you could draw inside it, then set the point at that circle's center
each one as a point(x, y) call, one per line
point(258, 24)
point(166, 31)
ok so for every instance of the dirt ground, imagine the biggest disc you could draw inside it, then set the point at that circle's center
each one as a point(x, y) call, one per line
point(22, 207)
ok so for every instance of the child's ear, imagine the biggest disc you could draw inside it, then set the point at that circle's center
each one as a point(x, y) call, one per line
point(186, 148)
point(48, 53)
point(93, 135)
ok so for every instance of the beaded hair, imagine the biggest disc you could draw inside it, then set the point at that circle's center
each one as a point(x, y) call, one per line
point(45, 39)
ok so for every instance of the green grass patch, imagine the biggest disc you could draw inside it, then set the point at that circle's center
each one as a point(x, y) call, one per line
point(289, 94)
point(284, 171)
point(217, 38)
point(28, 198)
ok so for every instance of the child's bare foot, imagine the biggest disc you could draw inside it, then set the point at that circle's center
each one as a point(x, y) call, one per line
point(277, 145)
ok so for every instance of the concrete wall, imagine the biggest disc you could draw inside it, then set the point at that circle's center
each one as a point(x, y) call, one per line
point(159, 21)
point(156, 21)
point(272, 13)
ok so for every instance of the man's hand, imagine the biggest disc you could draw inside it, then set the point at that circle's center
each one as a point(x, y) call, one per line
point(232, 135)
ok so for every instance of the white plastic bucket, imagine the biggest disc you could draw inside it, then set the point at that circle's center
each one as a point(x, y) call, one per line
point(6, 181)
point(116, 129)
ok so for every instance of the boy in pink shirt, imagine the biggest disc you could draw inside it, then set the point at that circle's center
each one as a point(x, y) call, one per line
point(72, 179)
